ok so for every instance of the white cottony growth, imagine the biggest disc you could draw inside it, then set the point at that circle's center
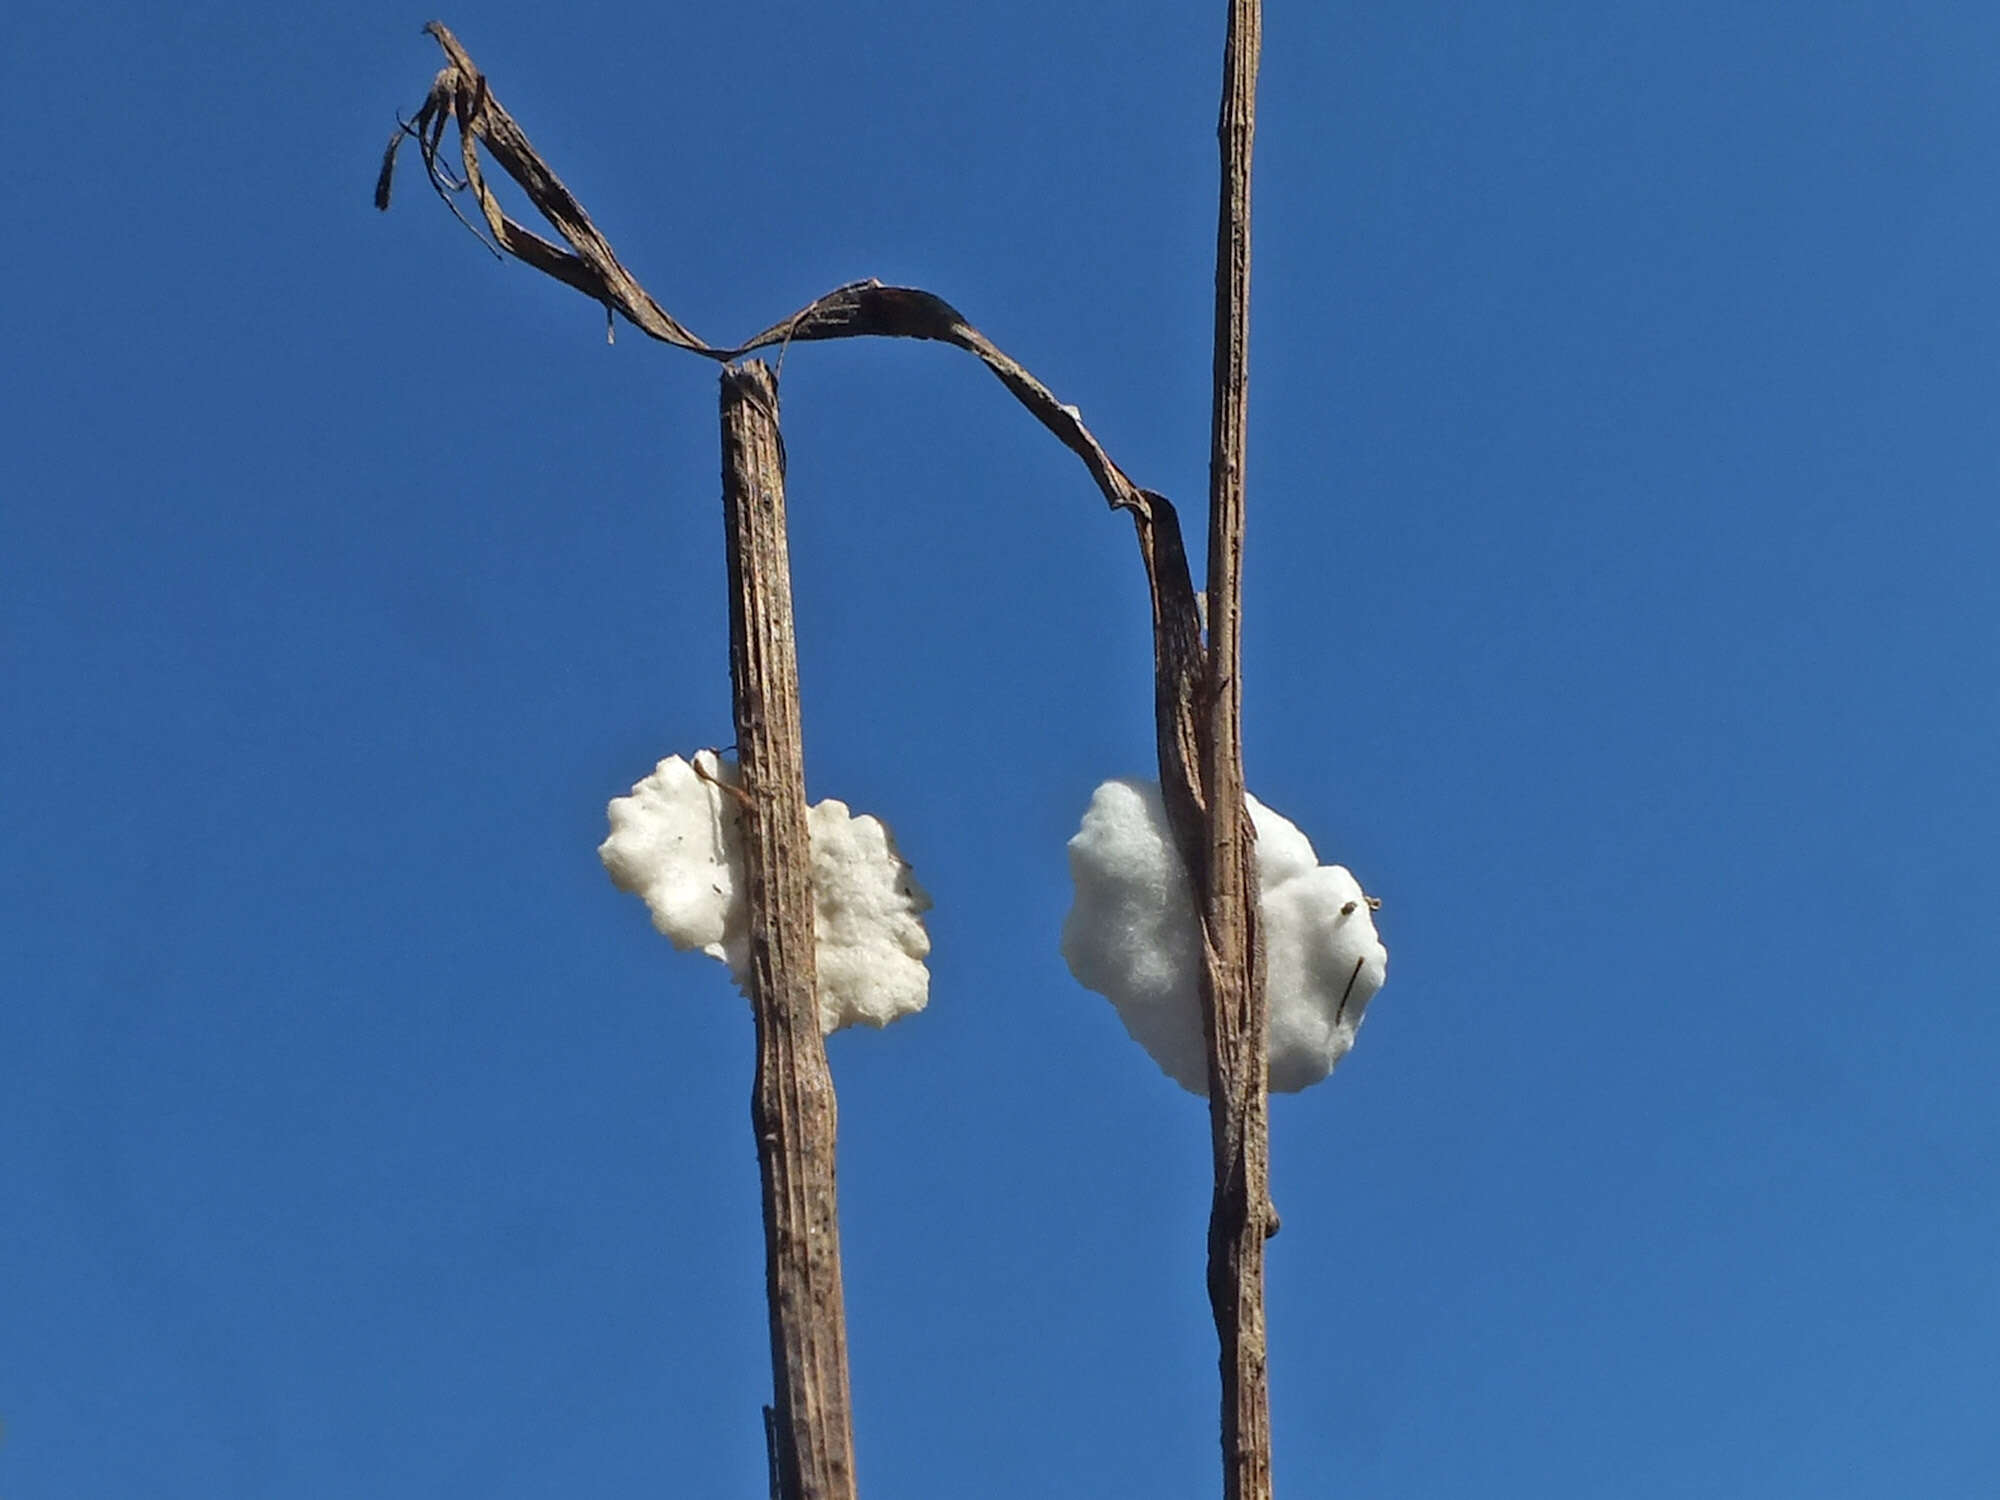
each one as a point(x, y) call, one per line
point(1131, 936)
point(676, 843)
point(870, 943)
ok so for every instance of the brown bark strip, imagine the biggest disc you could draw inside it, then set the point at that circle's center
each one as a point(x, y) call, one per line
point(1235, 1021)
point(460, 95)
point(792, 1105)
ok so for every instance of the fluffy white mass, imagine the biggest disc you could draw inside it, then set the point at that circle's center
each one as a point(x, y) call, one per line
point(1131, 936)
point(676, 843)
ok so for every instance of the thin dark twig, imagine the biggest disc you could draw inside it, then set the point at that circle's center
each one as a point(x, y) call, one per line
point(1341, 1009)
point(442, 180)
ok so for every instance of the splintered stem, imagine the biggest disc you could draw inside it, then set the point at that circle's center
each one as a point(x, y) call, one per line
point(792, 1105)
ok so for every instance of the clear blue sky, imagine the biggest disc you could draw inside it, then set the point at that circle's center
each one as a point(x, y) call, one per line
point(1620, 607)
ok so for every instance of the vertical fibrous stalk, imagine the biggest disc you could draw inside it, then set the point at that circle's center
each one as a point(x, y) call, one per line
point(1232, 980)
point(792, 1105)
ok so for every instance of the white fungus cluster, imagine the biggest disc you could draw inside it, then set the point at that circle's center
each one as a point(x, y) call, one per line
point(676, 843)
point(1131, 936)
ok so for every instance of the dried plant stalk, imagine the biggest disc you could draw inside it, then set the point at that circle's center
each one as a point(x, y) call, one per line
point(1234, 1015)
point(1197, 693)
point(792, 1105)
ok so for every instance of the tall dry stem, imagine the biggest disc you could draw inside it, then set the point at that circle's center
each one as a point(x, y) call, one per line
point(1240, 1216)
point(792, 1104)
